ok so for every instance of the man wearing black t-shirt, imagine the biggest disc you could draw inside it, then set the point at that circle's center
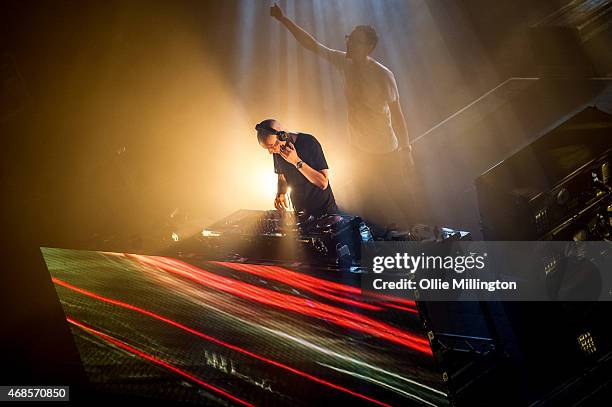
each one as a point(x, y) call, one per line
point(300, 164)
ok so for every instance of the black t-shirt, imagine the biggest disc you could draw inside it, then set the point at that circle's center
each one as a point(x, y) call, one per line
point(305, 195)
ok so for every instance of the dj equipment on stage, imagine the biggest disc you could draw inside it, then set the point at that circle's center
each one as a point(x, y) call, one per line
point(422, 232)
point(269, 235)
point(547, 189)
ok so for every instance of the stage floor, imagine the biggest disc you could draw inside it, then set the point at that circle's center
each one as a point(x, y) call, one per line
point(230, 333)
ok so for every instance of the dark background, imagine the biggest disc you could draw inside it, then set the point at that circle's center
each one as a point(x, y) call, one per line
point(114, 114)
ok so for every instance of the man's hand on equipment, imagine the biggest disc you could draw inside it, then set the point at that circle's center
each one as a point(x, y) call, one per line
point(276, 12)
point(289, 154)
point(280, 202)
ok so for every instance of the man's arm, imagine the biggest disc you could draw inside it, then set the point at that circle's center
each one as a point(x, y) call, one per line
point(280, 202)
point(399, 124)
point(281, 185)
point(303, 37)
point(401, 131)
point(316, 177)
point(397, 115)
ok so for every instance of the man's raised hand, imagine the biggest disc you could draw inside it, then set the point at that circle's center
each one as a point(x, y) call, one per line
point(289, 154)
point(276, 12)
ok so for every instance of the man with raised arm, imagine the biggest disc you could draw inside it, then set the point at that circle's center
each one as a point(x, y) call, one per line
point(377, 128)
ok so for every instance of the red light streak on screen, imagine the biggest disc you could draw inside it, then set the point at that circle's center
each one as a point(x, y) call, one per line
point(157, 361)
point(292, 303)
point(215, 340)
point(292, 277)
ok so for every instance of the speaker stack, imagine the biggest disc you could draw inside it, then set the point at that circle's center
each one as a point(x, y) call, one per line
point(556, 188)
